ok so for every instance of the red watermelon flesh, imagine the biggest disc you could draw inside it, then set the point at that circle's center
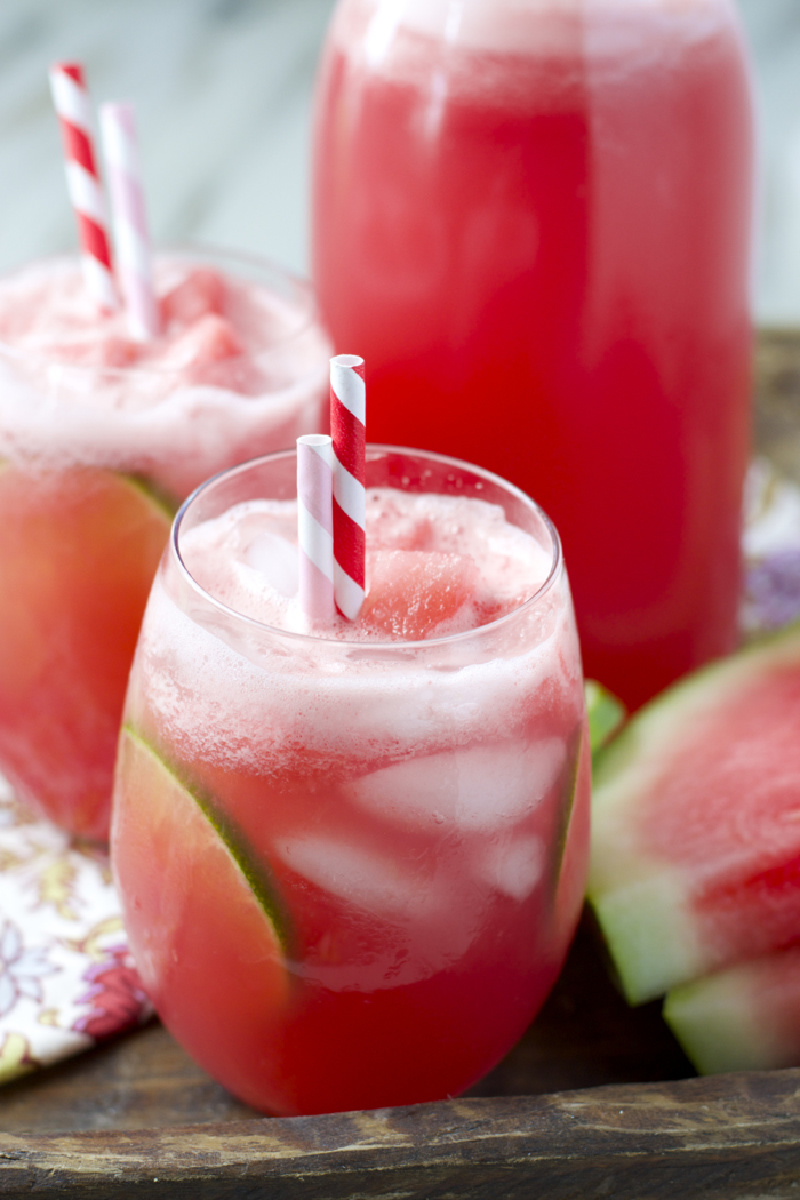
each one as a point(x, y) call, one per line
point(696, 823)
point(415, 594)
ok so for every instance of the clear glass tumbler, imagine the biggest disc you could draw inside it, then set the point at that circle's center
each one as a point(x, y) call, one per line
point(101, 438)
point(351, 866)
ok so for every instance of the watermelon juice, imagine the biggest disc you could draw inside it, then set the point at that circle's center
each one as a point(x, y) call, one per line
point(101, 437)
point(351, 864)
point(534, 222)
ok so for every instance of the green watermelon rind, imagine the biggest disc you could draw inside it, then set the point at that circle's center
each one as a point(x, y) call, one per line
point(651, 936)
point(714, 1021)
point(159, 499)
point(643, 905)
point(569, 794)
point(256, 874)
point(605, 713)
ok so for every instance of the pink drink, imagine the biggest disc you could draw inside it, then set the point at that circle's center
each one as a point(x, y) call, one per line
point(101, 437)
point(403, 803)
point(533, 221)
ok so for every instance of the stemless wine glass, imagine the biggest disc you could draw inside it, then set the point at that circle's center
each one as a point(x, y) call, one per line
point(101, 437)
point(351, 866)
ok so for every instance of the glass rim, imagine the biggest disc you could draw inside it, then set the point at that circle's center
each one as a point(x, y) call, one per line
point(298, 289)
point(375, 450)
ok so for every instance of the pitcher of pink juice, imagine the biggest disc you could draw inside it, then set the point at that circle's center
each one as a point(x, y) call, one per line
point(533, 219)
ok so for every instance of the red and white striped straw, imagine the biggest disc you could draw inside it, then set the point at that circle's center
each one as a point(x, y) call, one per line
point(349, 434)
point(132, 240)
point(315, 526)
point(72, 106)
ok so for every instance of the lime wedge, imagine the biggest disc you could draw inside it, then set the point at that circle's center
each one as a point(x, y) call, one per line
point(194, 893)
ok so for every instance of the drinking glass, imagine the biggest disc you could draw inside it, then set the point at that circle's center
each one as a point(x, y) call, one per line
point(101, 437)
point(350, 869)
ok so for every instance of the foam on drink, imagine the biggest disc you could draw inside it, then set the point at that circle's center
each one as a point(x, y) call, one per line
point(237, 364)
point(435, 565)
point(341, 689)
point(517, 27)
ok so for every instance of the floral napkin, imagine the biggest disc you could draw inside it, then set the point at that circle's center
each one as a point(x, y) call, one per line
point(772, 551)
point(66, 976)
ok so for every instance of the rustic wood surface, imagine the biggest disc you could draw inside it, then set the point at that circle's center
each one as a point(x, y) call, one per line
point(777, 410)
point(596, 1100)
point(722, 1139)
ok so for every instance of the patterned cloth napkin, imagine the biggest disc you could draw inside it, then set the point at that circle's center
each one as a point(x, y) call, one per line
point(66, 976)
point(772, 551)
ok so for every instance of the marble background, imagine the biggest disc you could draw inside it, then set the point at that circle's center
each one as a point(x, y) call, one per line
point(223, 90)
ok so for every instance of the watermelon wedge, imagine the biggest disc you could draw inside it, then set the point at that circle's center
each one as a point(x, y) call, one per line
point(744, 1019)
point(78, 551)
point(696, 823)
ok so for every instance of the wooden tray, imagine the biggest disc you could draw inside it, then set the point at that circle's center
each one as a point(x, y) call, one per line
point(597, 1100)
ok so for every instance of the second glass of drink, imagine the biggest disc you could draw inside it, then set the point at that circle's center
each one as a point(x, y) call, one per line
point(101, 437)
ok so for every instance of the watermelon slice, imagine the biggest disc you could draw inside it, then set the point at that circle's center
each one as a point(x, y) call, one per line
point(78, 551)
point(415, 594)
point(696, 823)
point(207, 929)
point(744, 1019)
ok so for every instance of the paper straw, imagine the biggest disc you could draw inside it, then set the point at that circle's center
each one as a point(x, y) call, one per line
point(132, 241)
point(315, 526)
point(72, 106)
point(348, 431)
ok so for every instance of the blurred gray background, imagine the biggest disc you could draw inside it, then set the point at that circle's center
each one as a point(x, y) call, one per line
point(222, 90)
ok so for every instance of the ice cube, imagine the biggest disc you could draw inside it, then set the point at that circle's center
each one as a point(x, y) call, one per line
point(370, 881)
point(202, 346)
point(513, 867)
point(430, 915)
point(201, 292)
point(275, 559)
point(478, 788)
